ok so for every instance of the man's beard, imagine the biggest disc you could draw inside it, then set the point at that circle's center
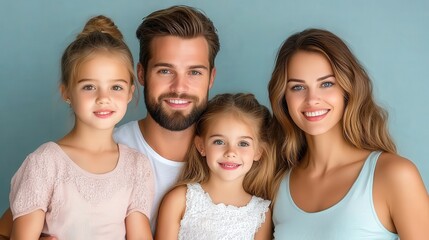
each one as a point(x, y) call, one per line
point(176, 121)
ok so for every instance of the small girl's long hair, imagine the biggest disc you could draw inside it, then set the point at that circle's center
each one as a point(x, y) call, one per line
point(100, 34)
point(364, 122)
point(245, 106)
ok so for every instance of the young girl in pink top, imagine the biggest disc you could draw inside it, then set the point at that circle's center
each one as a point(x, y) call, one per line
point(86, 186)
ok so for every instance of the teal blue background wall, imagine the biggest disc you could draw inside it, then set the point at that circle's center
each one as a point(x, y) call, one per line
point(390, 37)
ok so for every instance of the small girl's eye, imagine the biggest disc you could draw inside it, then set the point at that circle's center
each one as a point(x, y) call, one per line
point(243, 144)
point(327, 84)
point(218, 142)
point(117, 88)
point(88, 87)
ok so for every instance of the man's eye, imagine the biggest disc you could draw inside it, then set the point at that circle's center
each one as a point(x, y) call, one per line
point(194, 72)
point(164, 71)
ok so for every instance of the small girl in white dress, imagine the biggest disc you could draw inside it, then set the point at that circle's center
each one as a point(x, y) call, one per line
point(220, 194)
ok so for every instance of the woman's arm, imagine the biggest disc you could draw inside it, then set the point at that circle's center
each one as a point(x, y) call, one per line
point(405, 195)
point(170, 214)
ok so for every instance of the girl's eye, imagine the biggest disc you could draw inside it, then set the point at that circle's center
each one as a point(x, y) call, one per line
point(243, 144)
point(218, 142)
point(88, 87)
point(297, 88)
point(327, 84)
point(117, 88)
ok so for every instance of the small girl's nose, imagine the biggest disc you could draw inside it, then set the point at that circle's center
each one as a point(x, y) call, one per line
point(103, 97)
point(230, 153)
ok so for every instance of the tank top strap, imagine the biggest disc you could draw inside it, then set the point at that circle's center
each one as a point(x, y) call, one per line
point(364, 181)
point(372, 162)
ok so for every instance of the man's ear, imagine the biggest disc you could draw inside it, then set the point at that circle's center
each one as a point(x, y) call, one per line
point(212, 77)
point(140, 73)
point(199, 144)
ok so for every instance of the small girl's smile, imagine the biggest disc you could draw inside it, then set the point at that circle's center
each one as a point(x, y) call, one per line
point(229, 165)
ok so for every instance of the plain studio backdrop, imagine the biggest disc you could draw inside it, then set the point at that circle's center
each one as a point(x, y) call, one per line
point(389, 37)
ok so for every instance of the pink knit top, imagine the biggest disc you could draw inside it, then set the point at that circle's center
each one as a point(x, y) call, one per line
point(79, 204)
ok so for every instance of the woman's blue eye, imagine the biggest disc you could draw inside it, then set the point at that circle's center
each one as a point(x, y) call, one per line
point(327, 84)
point(297, 88)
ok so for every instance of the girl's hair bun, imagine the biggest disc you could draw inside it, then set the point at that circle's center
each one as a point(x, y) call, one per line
point(101, 24)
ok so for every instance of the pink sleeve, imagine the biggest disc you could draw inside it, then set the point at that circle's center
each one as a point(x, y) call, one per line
point(32, 184)
point(143, 187)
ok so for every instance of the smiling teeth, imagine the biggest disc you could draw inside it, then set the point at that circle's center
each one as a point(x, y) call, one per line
point(103, 113)
point(316, 113)
point(230, 165)
point(178, 101)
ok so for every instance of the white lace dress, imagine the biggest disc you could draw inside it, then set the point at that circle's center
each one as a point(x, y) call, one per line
point(205, 220)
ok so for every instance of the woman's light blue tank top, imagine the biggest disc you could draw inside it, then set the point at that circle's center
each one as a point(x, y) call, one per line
point(353, 217)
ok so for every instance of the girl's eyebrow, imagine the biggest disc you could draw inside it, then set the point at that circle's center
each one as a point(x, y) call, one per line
point(110, 80)
point(220, 135)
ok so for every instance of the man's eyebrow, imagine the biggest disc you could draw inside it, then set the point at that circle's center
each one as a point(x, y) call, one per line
point(163, 65)
point(169, 65)
point(198, 66)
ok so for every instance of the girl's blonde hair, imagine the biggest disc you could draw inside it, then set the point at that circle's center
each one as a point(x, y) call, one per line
point(245, 106)
point(364, 122)
point(100, 34)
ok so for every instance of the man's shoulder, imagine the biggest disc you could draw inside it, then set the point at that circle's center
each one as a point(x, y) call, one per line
point(126, 127)
point(129, 134)
point(126, 131)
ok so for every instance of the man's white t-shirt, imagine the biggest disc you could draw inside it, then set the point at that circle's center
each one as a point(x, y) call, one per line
point(166, 171)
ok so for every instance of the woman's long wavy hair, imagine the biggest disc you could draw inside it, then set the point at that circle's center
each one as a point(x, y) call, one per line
point(364, 122)
point(245, 107)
